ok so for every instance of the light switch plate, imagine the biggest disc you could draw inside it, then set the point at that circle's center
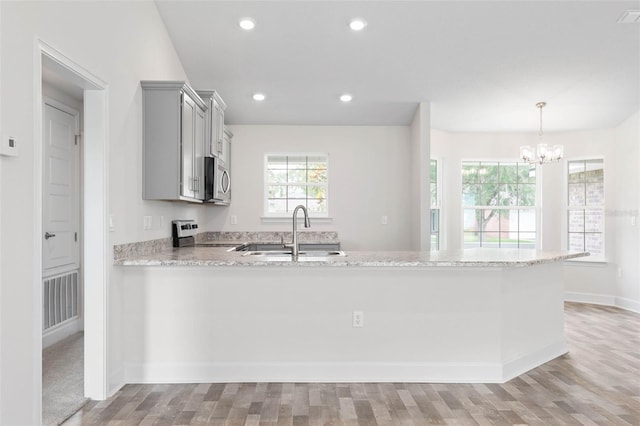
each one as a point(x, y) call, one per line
point(9, 146)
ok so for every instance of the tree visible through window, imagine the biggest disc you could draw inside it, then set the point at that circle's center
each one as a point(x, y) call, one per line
point(585, 212)
point(293, 179)
point(499, 200)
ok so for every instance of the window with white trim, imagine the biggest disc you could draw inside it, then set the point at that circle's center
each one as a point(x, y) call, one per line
point(435, 207)
point(585, 207)
point(499, 204)
point(294, 179)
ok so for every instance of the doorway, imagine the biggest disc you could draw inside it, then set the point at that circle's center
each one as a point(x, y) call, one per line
point(65, 75)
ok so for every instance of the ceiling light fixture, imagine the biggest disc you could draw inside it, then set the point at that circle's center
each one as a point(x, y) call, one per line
point(259, 97)
point(630, 17)
point(247, 24)
point(346, 98)
point(357, 24)
point(543, 153)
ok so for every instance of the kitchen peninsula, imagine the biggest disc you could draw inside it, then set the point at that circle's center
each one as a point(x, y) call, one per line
point(204, 314)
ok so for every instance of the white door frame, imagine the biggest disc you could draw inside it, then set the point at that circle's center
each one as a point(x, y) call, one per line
point(95, 212)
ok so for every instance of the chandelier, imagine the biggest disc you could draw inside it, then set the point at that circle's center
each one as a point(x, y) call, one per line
point(542, 153)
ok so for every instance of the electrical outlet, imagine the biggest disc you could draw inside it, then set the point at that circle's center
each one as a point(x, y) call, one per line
point(147, 222)
point(619, 271)
point(358, 319)
point(112, 222)
point(384, 220)
point(633, 221)
point(234, 219)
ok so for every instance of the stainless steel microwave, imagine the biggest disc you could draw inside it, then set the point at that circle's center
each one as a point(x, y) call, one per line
point(217, 182)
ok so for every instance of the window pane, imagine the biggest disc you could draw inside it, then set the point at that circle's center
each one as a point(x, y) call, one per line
point(471, 239)
point(434, 194)
point(297, 192)
point(527, 220)
point(594, 244)
point(576, 194)
point(595, 194)
point(317, 175)
point(576, 220)
point(319, 205)
point(527, 195)
point(509, 220)
point(526, 173)
point(277, 206)
point(509, 239)
point(576, 242)
point(434, 171)
point(435, 220)
point(593, 221)
point(317, 162)
point(470, 195)
point(292, 203)
point(490, 220)
point(576, 171)
point(469, 172)
point(594, 171)
point(297, 162)
point(297, 176)
point(489, 194)
point(277, 176)
point(508, 172)
point(508, 194)
point(277, 162)
point(317, 191)
point(277, 191)
point(471, 219)
point(527, 240)
point(488, 172)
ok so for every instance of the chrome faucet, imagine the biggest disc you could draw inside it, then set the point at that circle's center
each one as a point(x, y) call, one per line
point(295, 249)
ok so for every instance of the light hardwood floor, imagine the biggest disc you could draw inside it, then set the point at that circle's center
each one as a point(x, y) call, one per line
point(596, 383)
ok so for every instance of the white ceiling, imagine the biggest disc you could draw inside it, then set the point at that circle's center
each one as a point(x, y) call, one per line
point(483, 65)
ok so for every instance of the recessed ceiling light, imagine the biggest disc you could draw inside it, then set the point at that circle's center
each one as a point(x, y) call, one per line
point(630, 17)
point(247, 24)
point(259, 97)
point(357, 24)
point(346, 98)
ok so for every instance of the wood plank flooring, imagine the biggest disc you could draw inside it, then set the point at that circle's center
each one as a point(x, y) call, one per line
point(596, 383)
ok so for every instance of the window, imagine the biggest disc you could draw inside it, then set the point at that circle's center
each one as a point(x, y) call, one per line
point(499, 204)
point(435, 207)
point(293, 179)
point(585, 206)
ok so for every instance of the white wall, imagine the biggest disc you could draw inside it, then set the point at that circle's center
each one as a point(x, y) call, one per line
point(588, 282)
point(368, 178)
point(626, 215)
point(121, 43)
point(420, 178)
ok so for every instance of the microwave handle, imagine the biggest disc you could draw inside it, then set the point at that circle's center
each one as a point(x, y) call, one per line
point(225, 190)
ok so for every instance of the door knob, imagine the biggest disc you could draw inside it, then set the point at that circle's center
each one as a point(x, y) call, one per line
point(48, 235)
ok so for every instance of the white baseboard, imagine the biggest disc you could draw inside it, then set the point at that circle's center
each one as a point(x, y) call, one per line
point(628, 304)
point(592, 298)
point(56, 334)
point(516, 367)
point(230, 372)
point(603, 299)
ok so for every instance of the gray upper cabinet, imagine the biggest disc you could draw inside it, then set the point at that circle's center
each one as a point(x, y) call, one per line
point(214, 133)
point(173, 141)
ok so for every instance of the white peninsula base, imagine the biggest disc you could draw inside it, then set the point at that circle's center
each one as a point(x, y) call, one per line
point(288, 324)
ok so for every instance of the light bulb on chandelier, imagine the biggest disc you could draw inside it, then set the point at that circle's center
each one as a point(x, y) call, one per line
point(542, 153)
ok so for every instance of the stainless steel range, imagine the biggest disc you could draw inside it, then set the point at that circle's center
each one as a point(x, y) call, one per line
point(184, 232)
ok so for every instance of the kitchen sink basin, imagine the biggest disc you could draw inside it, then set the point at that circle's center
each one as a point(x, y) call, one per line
point(303, 256)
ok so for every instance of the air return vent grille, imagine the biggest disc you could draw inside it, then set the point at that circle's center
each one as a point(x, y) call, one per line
point(60, 299)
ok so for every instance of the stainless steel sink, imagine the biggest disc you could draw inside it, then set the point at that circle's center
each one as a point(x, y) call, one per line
point(303, 256)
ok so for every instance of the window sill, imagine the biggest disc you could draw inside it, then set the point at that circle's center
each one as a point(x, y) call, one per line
point(287, 219)
point(587, 261)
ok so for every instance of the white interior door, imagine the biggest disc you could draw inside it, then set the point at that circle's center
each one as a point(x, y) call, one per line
point(60, 191)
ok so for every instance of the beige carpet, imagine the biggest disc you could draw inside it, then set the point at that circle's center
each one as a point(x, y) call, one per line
point(62, 379)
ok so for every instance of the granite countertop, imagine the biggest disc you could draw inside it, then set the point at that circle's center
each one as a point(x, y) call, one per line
point(220, 257)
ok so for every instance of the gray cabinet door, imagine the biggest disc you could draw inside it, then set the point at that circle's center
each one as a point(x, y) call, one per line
point(198, 152)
